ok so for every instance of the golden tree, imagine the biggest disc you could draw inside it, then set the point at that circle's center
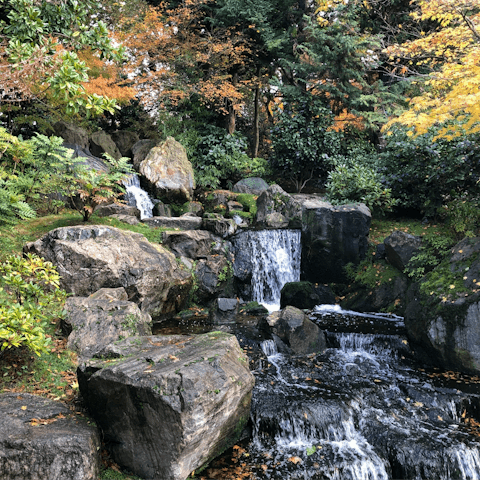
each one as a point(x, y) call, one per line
point(449, 90)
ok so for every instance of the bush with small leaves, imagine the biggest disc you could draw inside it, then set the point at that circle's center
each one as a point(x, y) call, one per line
point(30, 296)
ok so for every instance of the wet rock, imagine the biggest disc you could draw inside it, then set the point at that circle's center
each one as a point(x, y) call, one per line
point(43, 439)
point(195, 208)
point(216, 223)
point(224, 311)
point(101, 142)
point(95, 256)
point(182, 223)
point(253, 309)
point(295, 329)
point(168, 172)
point(167, 405)
point(160, 209)
point(252, 185)
point(91, 323)
point(87, 159)
point(117, 209)
point(278, 209)
point(332, 237)
point(400, 248)
point(444, 322)
point(125, 140)
point(305, 295)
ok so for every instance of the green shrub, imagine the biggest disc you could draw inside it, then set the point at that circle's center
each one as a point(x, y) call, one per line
point(462, 216)
point(30, 296)
point(302, 141)
point(422, 172)
point(358, 183)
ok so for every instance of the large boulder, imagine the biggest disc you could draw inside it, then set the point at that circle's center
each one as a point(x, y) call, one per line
point(296, 330)
point(443, 310)
point(91, 323)
point(42, 439)
point(117, 209)
point(167, 405)
point(86, 158)
point(332, 237)
point(305, 295)
point(101, 142)
point(278, 209)
point(168, 172)
point(94, 256)
point(252, 185)
point(400, 247)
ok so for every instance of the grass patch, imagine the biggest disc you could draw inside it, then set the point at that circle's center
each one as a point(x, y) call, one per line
point(13, 237)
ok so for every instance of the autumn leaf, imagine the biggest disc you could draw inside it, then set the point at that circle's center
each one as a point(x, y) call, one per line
point(295, 460)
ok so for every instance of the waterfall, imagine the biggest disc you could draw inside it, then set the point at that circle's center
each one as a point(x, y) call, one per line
point(137, 197)
point(275, 261)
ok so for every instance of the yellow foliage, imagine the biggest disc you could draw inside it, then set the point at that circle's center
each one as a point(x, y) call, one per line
point(452, 51)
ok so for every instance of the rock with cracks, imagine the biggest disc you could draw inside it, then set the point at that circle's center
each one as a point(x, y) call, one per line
point(91, 323)
point(167, 405)
point(41, 439)
point(95, 256)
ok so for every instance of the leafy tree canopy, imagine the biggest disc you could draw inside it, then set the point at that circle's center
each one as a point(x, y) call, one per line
point(451, 52)
point(39, 45)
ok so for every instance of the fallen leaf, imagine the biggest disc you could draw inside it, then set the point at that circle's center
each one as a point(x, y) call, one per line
point(24, 407)
point(295, 460)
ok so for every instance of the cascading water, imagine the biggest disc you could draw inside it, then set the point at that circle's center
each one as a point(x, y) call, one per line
point(361, 410)
point(137, 197)
point(274, 257)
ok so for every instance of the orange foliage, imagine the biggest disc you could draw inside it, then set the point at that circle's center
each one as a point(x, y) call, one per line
point(176, 53)
point(104, 79)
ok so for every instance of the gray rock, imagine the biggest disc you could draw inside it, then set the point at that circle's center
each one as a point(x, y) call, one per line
point(94, 256)
point(446, 323)
point(296, 330)
point(160, 209)
point(42, 439)
point(167, 405)
point(125, 140)
point(278, 209)
point(194, 244)
point(92, 323)
point(400, 248)
point(72, 134)
point(224, 311)
point(130, 219)
point(223, 227)
point(332, 237)
point(87, 159)
point(168, 173)
point(182, 223)
point(110, 294)
point(305, 295)
point(117, 209)
point(195, 208)
point(140, 151)
point(253, 185)
point(214, 276)
point(101, 142)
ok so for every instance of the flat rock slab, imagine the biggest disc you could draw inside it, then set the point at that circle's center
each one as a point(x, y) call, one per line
point(182, 223)
point(169, 404)
point(41, 439)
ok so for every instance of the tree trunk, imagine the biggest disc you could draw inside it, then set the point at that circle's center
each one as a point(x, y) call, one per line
point(231, 120)
point(256, 118)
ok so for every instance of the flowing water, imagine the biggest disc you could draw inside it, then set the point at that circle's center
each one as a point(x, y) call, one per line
point(137, 197)
point(361, 410)
point(274, 261)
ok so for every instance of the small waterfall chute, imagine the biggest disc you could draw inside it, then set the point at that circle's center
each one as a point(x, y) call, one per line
point(137, 197)
point(275, 261)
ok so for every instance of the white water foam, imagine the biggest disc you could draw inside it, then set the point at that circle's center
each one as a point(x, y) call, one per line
point(276, 261)
point(137, 197)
